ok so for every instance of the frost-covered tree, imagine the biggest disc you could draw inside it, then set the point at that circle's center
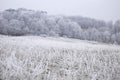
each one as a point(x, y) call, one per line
point(106, 36)
point(16, 27)
point(118, 37)
point(117, 26)
point(24, 22)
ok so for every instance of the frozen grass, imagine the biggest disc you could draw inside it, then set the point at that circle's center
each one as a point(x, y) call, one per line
point(37, 58)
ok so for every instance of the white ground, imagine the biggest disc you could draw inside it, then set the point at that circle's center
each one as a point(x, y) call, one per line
point(46, 58)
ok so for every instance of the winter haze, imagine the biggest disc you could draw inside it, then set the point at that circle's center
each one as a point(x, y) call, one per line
point(99, 9)
point(59, 39)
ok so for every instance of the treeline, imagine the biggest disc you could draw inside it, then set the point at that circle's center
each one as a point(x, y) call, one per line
point(29, 22)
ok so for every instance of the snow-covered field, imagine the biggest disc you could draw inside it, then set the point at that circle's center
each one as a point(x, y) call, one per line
point(46, 58)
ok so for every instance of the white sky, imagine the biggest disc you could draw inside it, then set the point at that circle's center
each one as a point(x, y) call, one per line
point(99, 9)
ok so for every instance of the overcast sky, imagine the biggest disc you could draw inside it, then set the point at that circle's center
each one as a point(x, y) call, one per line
point(99, 9)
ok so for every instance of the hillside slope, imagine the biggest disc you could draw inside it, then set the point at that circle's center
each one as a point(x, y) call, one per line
point(46, 58)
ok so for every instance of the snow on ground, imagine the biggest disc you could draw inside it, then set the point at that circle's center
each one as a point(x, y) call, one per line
point(55, 42)
point(47, 58)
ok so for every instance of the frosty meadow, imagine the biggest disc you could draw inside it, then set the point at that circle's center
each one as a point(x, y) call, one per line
point(47, 58)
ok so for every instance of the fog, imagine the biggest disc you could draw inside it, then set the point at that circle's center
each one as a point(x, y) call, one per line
point(99, 9)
